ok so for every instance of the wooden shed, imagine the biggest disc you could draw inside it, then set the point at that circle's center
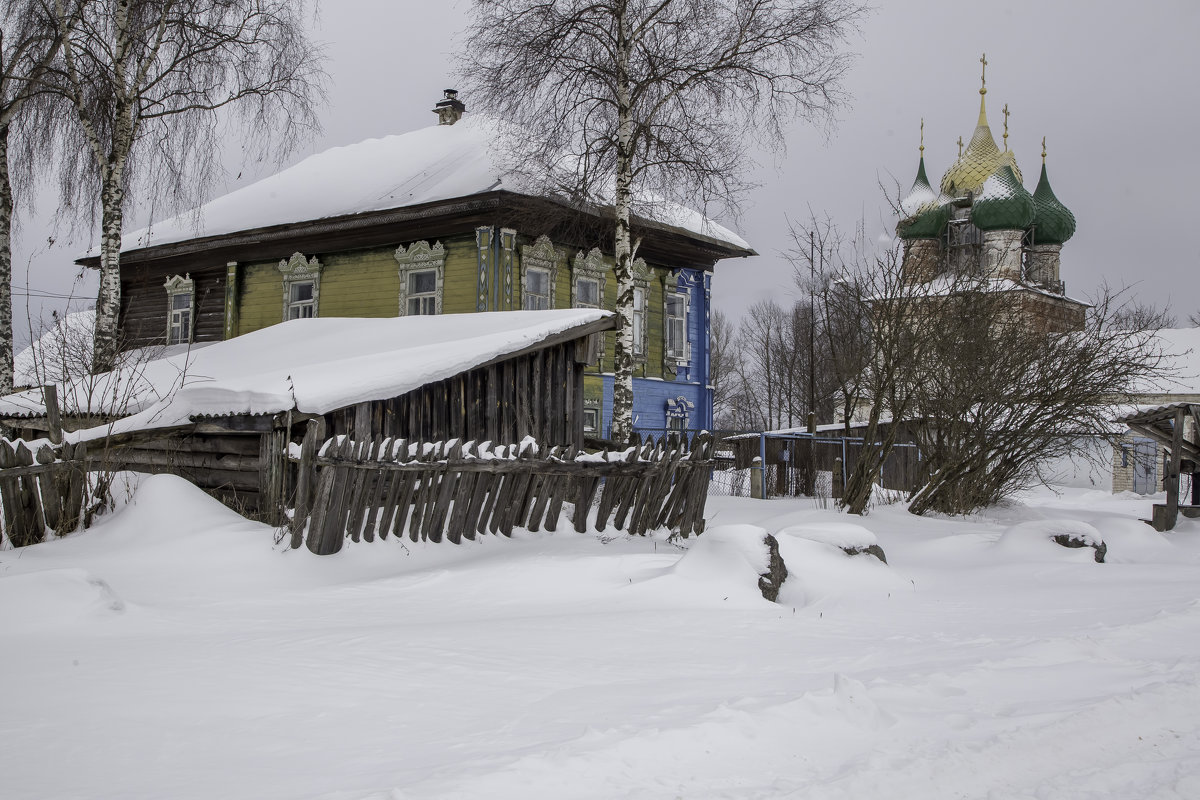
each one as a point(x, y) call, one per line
point(227, 416)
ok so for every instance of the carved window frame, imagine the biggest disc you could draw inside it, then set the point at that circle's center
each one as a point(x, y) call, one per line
point(179, 287)
point(590, 267)
point(679, 412)
point(641, 281)
point(419, 257)
point(298, 270)
point(541, 256)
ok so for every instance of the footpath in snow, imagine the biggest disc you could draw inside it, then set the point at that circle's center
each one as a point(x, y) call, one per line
point(175, 650)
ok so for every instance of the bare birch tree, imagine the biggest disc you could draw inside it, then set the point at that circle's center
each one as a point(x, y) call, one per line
point(28, 45)
point(151, 83)
point(632, 101)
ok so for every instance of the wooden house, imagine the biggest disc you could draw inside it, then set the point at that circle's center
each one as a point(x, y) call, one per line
point(426, 223)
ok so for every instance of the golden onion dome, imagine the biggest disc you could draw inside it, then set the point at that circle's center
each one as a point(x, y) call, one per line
point(977, 163)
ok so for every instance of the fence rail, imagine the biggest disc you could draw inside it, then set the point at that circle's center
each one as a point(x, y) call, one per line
point(452, 490)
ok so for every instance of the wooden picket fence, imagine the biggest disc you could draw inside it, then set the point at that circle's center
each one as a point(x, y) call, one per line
point(451, 490)
point(41, 491)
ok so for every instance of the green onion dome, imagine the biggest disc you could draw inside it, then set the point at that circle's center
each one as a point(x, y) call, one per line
point(1053, 222)
point(1003, 203)
point(922, 214)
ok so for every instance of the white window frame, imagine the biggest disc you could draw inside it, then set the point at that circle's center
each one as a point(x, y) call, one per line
point(297, 306)
point(530, 298)
point(590, 267)
point(298, 271)
point(677, 347)
point(543, 257)
point(594, 414)
point(419, 257)
point(180, 287)
point(427, 302)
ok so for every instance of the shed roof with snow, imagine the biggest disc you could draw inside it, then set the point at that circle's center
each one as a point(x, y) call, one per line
point(312, 366)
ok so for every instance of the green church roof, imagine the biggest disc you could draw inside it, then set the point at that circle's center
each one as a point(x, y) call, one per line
point(1003, 203)
point(1054, 222)
point(922, 216)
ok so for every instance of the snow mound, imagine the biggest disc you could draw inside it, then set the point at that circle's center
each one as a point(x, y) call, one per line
point(1058, 539)
point(169, 506)
point(845, 535)
point(1131, 541)
point(37, 601)
point(731, 557)
point(820, 571)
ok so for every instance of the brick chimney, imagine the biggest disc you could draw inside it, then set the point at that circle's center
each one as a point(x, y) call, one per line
point(449, 109)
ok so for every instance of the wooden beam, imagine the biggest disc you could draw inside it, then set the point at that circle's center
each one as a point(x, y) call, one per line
point(1172, 477)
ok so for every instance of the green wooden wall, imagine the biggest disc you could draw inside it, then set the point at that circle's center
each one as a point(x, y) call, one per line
point(366, 283)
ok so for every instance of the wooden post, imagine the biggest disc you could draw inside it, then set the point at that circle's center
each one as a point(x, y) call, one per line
point(314, 434)
point(837, 489)
point(53, 417)
point(1172, 476)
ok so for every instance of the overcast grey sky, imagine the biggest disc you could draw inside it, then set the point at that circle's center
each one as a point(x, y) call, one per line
point(1111, 85)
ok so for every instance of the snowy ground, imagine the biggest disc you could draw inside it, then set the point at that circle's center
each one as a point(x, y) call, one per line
point(176, 652)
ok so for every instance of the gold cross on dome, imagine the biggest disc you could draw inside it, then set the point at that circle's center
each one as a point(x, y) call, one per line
point(922, 137)
point(1005, 112)
point(1043, 149)
point(983, 76)
point(960, 147)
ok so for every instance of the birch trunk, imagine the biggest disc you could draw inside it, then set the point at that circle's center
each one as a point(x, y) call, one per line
point(108, 300)
point(6, 216)
point(622, 414)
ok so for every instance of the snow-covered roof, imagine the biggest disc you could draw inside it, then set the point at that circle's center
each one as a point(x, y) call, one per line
point(310, 365)
point(441, 162)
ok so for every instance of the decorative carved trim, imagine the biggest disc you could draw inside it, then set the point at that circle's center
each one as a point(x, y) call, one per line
point(591, 266)
point(298, 270)
point(641, 280)
point(508, 240)
point(483, 243)
point(178, 285)
point(544, 256)
point(421, 256)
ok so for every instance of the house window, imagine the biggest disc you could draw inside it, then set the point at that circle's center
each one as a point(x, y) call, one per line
point(679, 411)
point(591, 420)
point(639, 321)
point(587, 293)
point(301, 300)
point(589, 273)
point(422, 292)
point(181, 293)
point(537, 290)
point(676, 325)
point(301, 286)
point(539, 273)
point(422, 276)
